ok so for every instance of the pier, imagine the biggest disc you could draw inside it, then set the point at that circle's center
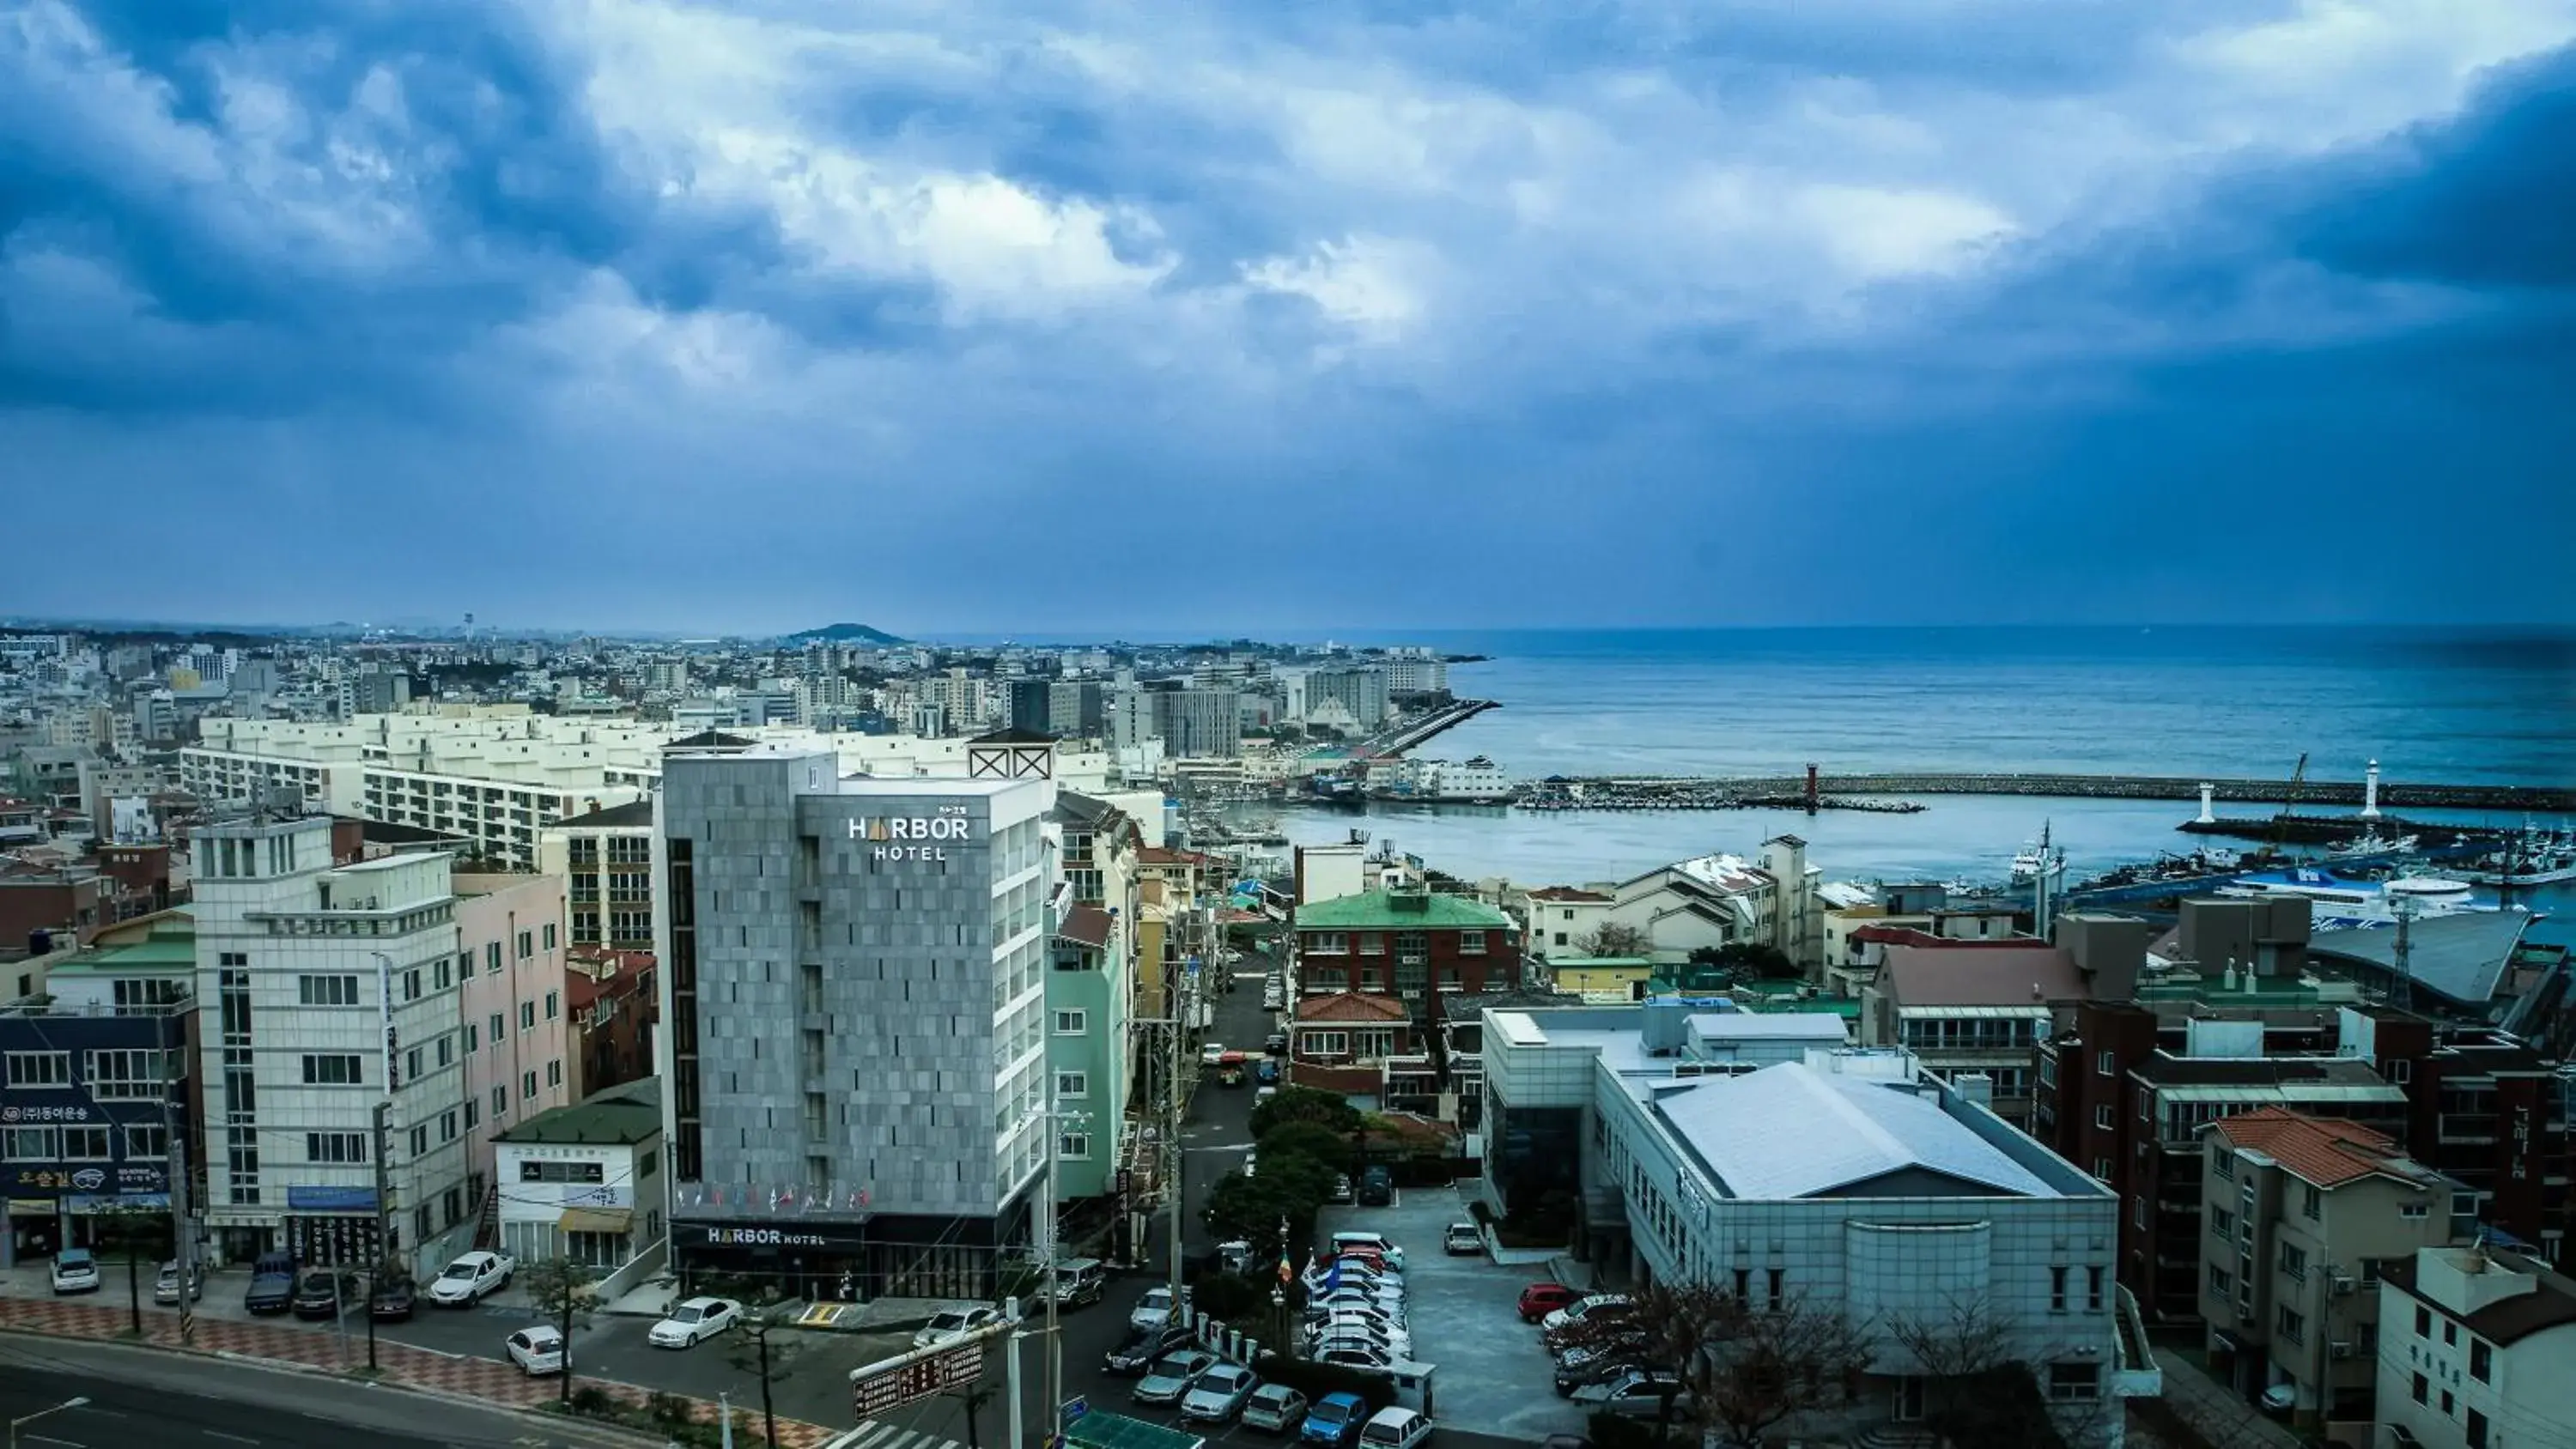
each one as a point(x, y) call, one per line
point(1602, 791)
point(1412, 732)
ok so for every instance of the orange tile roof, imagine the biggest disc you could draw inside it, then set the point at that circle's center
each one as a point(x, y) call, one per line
point(1351, 1006)
point(2323, 1151)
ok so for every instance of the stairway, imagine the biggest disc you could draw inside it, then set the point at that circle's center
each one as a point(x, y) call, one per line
point(487, 1231)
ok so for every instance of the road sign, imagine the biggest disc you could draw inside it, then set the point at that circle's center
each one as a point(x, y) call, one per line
point(1075, 1408)
point(882, 1394)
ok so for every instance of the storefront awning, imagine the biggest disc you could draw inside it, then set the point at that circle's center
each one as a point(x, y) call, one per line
point(596, 1220)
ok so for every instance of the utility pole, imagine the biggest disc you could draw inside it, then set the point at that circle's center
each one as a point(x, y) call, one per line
point(384, 1199)
point(1046, 1244)
point(1178, 1200)
point(183, 1248)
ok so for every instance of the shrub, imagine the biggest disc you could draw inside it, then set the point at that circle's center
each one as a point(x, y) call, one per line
point(1618, 1431)
point(592, 1400)
point(670, 1410)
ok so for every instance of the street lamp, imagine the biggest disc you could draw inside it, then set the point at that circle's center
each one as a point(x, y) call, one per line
point(14, 1424)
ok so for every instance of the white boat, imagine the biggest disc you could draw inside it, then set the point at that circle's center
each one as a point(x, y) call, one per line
point(2535, 857)
point(2373, 843)
point(2338, 902)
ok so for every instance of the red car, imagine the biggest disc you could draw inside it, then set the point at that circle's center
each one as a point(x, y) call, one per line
point(1539, 1300)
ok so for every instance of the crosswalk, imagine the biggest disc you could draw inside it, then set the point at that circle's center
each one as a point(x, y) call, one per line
point(878, 1434)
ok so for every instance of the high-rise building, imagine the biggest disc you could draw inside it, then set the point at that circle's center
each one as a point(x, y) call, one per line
point(855, 998)
point(1032, 705)
point(1198, 723)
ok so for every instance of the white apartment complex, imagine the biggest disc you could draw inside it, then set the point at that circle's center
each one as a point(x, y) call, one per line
point(332, 990)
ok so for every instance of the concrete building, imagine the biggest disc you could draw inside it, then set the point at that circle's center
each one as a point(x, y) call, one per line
point(1716, 900)
point(2475, 1348)
point(612, 1010)
point(2304, 1214)
point(1089, 1000)
point(605, 858)
point(334, 990)
point(1405, 944)
point(1558, 920)
point(1740, 1154)
point(1197, 723)
point(855, 1019)
point(588, 1182)
point(1361, 693)
point(512, 1026)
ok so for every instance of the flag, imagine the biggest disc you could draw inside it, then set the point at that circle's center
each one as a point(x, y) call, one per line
point(1333, 1276)
point(1285, 1271)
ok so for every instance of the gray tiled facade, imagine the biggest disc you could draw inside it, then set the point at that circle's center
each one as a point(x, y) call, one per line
point(869, 1002)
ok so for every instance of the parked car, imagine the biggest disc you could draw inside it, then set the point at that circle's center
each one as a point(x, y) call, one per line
point(1277, 1044)
point(1335, 1420)
point(1351, 1328)
point(1153, 1310)
point(1080, 1283)
point(1212, 1054)
point(324, 1292)
point(1173, 1375)
point(1341, 1192)
point(1230, 1077)
point(1266, 1072)
point(1352, 1355)
point(537, 1349)
point(1581, 1309)
point(1389, 1304)
point(392, 1299)
point(1274, 1408)
point(1579, 1367)
point(1264, 1095)
point(693, 1322)
point(1462, 1239)
point(165, 1289)
point(1539, 1300)
point(1377, 1187)
point(1142, 1347)
point(272, 1284)
point(953, 1325)
point(1639, 1391)
point(1368, 1242)
point(471, 1279)
point(1219, 1395)
point(75, 1271)
point(1395, 1428)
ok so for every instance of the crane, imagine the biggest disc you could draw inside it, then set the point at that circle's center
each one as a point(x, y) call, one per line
point(2289, 803)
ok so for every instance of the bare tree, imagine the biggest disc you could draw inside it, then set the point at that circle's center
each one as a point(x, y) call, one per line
point(1741, 1369)
point(559, 1289)
point(1613, 938)
point(755, 1354)
point(1984, 1380)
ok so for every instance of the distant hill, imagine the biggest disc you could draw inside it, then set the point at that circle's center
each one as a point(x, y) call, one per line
point(845, 634)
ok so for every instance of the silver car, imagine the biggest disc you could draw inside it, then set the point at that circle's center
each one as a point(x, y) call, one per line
point(1173, 1375)
point(1219, 1394)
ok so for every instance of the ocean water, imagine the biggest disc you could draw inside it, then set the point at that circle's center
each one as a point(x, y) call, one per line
point(2437, 705)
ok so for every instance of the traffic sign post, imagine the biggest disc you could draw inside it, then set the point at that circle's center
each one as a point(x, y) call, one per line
point(1075, 1408)
point(886, 1390)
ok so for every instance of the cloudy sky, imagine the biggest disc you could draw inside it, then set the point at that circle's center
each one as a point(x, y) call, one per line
point(1207, 314)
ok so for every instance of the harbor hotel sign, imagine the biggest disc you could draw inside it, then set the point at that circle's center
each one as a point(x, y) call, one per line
point(913, 837)
point(841, 1236)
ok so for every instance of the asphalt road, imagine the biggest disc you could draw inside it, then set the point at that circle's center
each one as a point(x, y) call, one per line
point(180, 1401)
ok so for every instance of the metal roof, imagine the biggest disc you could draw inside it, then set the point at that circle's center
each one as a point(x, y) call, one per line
point(1377, 911)
point(2461, 957)
point(1790, 1131)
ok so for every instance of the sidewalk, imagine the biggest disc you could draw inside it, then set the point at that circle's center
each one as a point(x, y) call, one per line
point(485, 1380)
point(2213, 1410)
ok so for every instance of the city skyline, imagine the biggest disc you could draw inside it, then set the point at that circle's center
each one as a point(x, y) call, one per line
point(691, 321)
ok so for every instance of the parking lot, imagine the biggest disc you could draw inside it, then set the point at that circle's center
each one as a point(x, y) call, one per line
point(1464, 1313)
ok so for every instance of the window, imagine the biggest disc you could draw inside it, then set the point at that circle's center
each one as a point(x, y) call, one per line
point(473, 1038)
point(2057, 1290)
point(2102, 1116)
point(2450, 1334)
point(2294, 1263)
point(335, 1146)
point(2448, 1403)
point(332, 1070)
point(491, 958)
point(1074, 1145)
point(1328, 943)
point(147, 1140)
point(127, 1074)
point(420, 1140)
point(2312, 1202)
point(411, 984)
point(549, 933)
point(2400, 1072)
point(1372, 943)
point(31, 1144)
point(500, 1028)
point(2422, 1388)
point(2477, 1427)
point(554, 1005)
point(2293, 1325)
point(447, 1132)
point(85, 1144)
point(2481, 1359)
point(1471, 943)
point(2093, 1288)
point(2423, 1321)
point(40, 1069)
point(527, 1086)
point(1072, 1023)
point(440, 976)
point(2221, 1282)
point(2073, 1381)
point(446, 1050)
point(2102, 1169)
point(411, 1064)
point(1072, 1084)
point(2222, 1222)
point(327, 990)
point(500, 1102)
point(527, 1016)
point(2138, 1211)
point(2106, 1065)
point(554, 1072)
point(2222, 1163)
point(527, 944)
point(474, 1113)
point(1776, 1287)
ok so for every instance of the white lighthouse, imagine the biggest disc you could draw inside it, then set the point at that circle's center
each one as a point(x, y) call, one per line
point(2370, 792)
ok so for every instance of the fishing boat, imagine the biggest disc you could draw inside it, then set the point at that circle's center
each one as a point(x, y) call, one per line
point(2337, 902)
point(2372, 843)
point(2534, 857)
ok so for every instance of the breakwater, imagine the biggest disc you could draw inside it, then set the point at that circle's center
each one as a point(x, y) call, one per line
point(2543, 799)
point(1412, 732)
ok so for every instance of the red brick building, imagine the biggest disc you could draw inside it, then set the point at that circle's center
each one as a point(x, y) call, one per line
point(1405, 944)
point(613, 1013)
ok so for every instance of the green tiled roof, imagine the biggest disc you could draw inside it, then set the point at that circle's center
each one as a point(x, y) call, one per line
point(1377, 911)
point(1097, 1430)
point(172, 945)
point(622, 1114)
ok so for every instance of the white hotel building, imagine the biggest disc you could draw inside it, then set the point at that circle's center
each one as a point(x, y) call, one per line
point(1752, 1153)
point(496, 776)
point(326, 991)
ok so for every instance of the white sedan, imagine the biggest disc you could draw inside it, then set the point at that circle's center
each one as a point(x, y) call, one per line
point(953, 1325)
point(699, 1318)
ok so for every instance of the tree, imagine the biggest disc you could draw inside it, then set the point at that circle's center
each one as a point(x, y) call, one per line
point(1756, 958)
point(754, 1354)
point(1305, 1104)
point(1310, 1140)
point(1742, 1368)
point(1982, 1380)
point(1614, 938)
point(559, 1289)
point(1250, 1208)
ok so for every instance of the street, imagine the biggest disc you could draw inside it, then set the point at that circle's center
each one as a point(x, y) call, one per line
point(177, 1401)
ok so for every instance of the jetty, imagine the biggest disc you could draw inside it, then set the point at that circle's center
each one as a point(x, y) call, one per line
point(2553, 800)
point(1415, 729)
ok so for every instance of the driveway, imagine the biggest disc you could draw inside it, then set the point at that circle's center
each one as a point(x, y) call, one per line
point(1493, 1375)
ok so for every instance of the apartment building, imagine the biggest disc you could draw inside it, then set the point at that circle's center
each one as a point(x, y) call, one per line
point(513, 1011)
point(2475, 1349)
point(1558, 920)
point(605, 858)
point(1787, 1172)
point(853, 992)
point(334, 991)
point(2303, 1215)
point(1089, 1000)
point(1716, 900)
point(1405, 944)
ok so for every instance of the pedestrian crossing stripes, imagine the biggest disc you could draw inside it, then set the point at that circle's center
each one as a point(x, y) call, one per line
point(878, 1434)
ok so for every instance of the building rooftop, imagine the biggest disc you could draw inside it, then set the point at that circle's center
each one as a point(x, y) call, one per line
point(1981, 976)
point(1351, 1006)
point(620, 1115)
point(2460, 957)
point(2321, 1150)
point(2548, 1300)
point(1401, 911)
point(1573, 895)
point(1791, 1131)
point(629, 816)
point(1088, 925)
point(171, 945)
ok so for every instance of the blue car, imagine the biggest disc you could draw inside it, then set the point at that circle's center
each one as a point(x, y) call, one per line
point(1266, 1072)
point(1335, 1419)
